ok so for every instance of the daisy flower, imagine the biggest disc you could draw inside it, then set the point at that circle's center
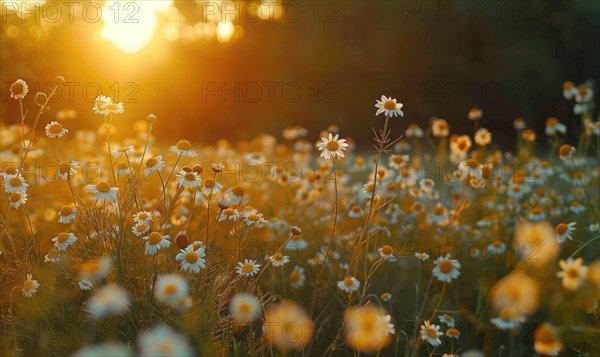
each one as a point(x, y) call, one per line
point(447, 320)
point(253, 219)
point(389, 107)
point(496, 247)
point(101, 103)
point(19, 89)
point(188, 179)
point(368, 329)
point(211, 187)
point(66, 169)
point(475, 114)
point(113, 108)
point(247, 268)
point(170, 289)
point(431, 333)
point(565, 231)
point(67, 214)
point(386, 297)
point(453, 333)
point(64, 241)
point(154, 164)
point(103, 192)
point(278, 259)
point(184, 148)
point(140, 228)
point(423, 256)
point(14, 183)
point(547, 340)
point(85, 285)
point(386, 252)
point(244, 308)
point(576, 207)
point(55, 130)
point(483, 137)
point(566, 152)
point(297, 277)
point(17, 199)
point(573, 273)
point(553, 126)
point(230, 214)
point(191, 258)
point(124, 151)
point(507, 319)
point(52, 256)
point(349, 284)
point(30, 286)
point(446, 269)
point(440, 128)
point(109, 300)
point(331, 147)
point(155, 241)
point(355, 212)
point(162, 341)
point(142, 216)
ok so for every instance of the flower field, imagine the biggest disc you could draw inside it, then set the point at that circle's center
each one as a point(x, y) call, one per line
point(431, 243)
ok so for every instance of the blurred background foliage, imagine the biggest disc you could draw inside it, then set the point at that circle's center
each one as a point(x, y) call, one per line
point(439, 58)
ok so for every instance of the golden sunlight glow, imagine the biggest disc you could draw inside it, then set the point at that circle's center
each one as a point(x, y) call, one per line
point(131, 25)
point(225, 31)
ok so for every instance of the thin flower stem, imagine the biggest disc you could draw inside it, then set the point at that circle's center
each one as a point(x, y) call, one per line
point(331, 241)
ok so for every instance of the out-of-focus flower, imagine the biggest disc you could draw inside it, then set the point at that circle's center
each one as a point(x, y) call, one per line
point(483, 137)
point(547, 340)
point(507, 319)
point(162, 341)
point(539, 238)
point(475, 114)
point(573, 273)
point(564, 231)
point(67, 214)
point(244, 308)
point(297, 277)
point(553, 127)
point(440, 128)
point(277, 327)
point(170, 289)
point(109, 300)
point(516, 290)
point(15, 183)
point(104, 349)
point(368, 329)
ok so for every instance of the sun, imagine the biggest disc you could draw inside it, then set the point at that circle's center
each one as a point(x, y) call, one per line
point(131, 25)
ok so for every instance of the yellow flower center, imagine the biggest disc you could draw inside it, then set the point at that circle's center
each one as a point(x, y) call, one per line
point(151, 162)
point(190, 176)
point(209, 183)
point(446, 266)
point(561, 229)
point(229, 212)
point(573, 272)
point(333, 145)
point(238, 191)
point(28, 284)
point(387, 250)
point(254, 217)
point(154, 238)
point(278, 256)
point(356, 208)
point(431, 333)
point(294, 276)
point(15, 196)
point(15, 182)
point(348, 281)
point(111, 106)
point(508, 314)
point(170, 289)
point(55, 128)
point(62, 237)
point(184, 145)
point(244, 308)
point(103, 187)
point(143, 216)
point(389, 105)
point(191, 257)
point(247, 268)
point(66, 211)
